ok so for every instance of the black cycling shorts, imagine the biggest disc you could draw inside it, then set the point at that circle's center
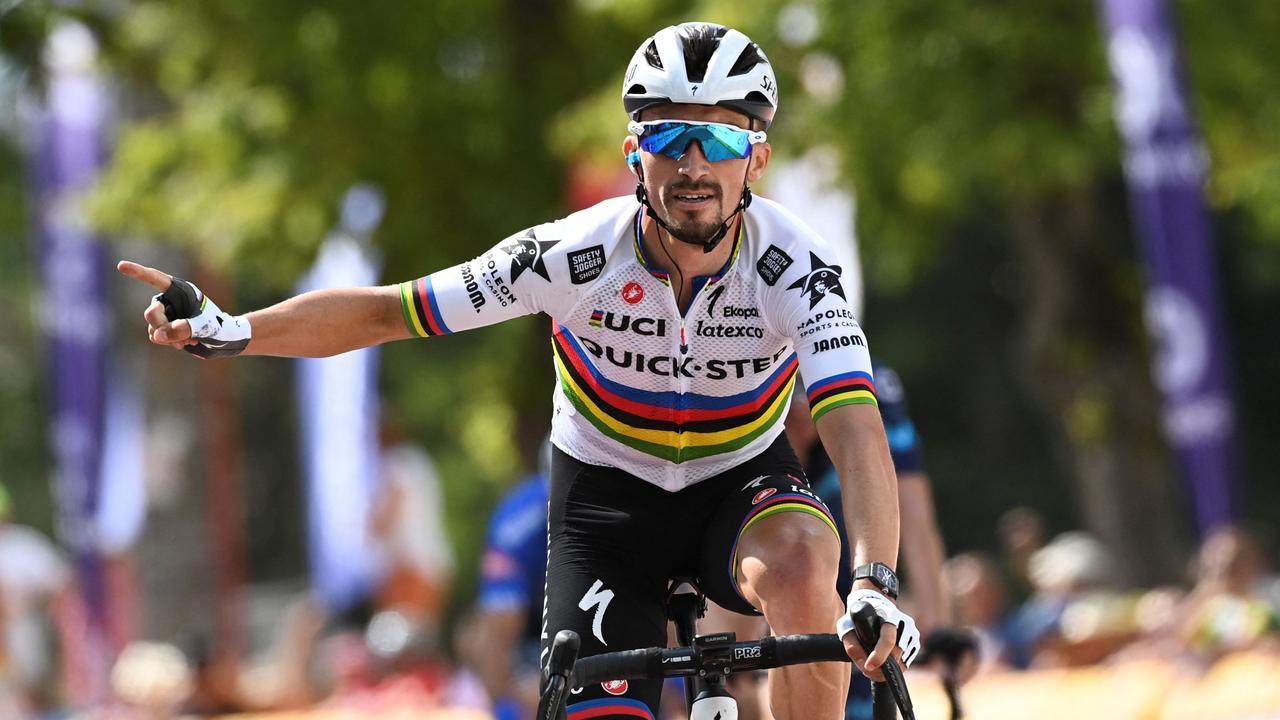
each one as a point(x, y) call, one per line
point(616, 541)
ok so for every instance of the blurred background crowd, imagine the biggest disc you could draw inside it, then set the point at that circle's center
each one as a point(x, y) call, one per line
point(1069, 245)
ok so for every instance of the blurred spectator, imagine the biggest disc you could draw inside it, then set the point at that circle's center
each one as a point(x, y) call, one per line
point(1227, 609)
point(151, 680)
point(1021, 531)
point(976, 590)
point(1074, 616)
point(408, 530)
point(1157, 619)
point(35, 589)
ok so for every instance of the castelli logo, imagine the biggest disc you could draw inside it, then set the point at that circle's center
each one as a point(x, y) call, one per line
point(632, 293)
point(762, 495)
point(615, 687)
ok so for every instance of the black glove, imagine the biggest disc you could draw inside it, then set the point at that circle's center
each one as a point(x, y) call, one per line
point(218, 334)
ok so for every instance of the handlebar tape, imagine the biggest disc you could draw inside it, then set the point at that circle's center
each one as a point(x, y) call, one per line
point(623, 665)
point(798, 649)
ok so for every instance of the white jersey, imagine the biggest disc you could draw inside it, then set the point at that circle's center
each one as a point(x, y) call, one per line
point(670, 397)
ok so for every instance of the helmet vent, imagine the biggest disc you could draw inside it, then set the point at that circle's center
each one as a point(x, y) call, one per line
point(637, 89)
point(757, 96)
point(701, 40)
point(651, 54)
point(749, 58)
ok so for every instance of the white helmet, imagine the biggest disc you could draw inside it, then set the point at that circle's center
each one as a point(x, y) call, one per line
point(701, 64)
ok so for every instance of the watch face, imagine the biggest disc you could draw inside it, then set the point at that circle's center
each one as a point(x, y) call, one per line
point(880, 574)
point(885, 578)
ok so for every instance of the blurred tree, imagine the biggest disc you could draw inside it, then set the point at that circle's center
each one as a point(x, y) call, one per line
point(979, 137)
point(22, 426)
point(1002, 112)
point(244, 123)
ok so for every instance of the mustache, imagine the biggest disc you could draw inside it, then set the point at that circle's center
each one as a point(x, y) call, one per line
point(692, 188)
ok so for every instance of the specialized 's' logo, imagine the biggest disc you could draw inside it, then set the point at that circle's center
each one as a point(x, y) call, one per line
point(527, 254)
point(632, 293)
point(599, 598)
point(615, 687)
point(822, 279)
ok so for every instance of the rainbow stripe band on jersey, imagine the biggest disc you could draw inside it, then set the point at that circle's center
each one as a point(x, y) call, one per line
point(421, 311)
point(609, 707)
point(677, 427)
point(780, 503)
point(855, 388)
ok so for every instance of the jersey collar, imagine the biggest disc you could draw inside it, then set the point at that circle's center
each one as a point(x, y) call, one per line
point(642, 255)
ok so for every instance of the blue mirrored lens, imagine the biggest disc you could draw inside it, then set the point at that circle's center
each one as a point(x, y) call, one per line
point(718, 143)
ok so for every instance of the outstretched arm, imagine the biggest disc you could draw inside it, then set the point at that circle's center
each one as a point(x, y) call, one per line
point(315, 324)
point(321, 323)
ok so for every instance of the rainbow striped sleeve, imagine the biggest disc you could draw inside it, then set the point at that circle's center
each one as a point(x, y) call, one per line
point(853, 388)
point(421, 311)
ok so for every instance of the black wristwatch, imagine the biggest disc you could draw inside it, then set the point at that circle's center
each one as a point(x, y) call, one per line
point(880, 575)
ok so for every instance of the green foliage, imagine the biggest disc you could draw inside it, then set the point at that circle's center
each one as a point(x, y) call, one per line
point(22, 436)
point(974, 134)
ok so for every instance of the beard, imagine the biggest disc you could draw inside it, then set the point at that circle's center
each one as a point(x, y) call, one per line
point(690, 230)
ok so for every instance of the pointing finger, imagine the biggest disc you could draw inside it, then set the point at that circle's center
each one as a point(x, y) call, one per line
point(151, 276)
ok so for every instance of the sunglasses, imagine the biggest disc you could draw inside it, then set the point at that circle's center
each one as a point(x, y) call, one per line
point(717, 140)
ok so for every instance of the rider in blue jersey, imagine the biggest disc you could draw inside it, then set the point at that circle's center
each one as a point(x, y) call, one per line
point(509, 600)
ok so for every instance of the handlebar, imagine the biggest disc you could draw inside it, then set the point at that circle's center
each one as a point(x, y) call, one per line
point(718, 653)
point(724, 657)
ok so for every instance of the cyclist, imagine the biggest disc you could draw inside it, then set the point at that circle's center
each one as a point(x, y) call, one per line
point(681, 318)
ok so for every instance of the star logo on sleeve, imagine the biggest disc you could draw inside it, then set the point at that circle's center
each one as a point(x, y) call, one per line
point(822, 279)
point(527, 254)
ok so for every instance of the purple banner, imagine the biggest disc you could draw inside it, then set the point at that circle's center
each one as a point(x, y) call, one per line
point(1165, 166)
point(67, 150)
